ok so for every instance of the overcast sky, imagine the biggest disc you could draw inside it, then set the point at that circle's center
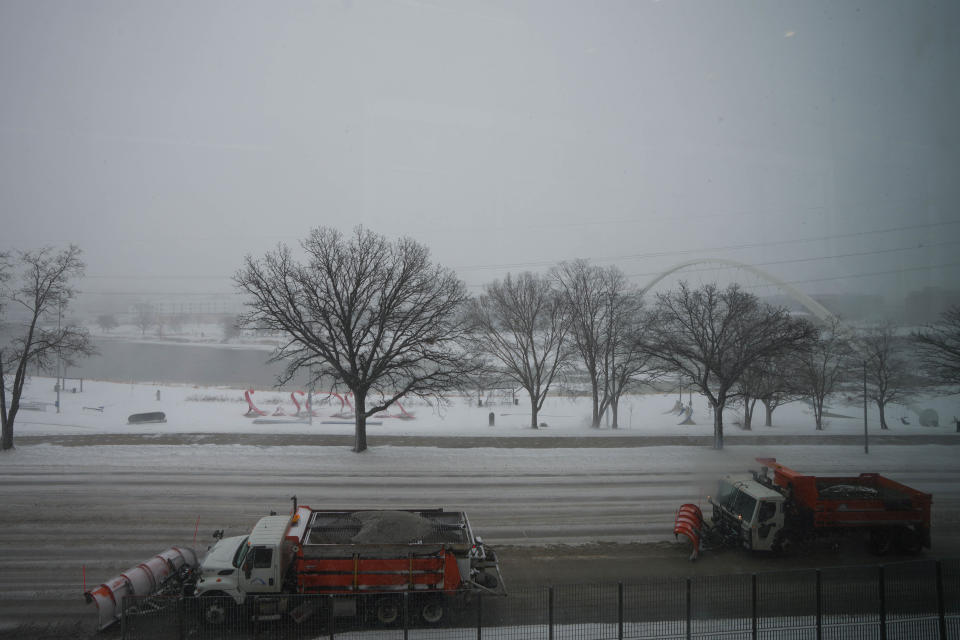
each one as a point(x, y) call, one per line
point(168, 139)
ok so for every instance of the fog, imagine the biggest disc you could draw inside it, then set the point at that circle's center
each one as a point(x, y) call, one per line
point(818, 140)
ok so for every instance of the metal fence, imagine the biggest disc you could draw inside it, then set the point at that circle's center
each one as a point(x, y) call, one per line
point(913, 600)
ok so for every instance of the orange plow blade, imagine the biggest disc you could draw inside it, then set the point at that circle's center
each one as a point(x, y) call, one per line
point(147, 578)
point(689, 522)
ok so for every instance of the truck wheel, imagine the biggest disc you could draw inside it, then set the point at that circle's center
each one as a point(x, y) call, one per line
point(387, 611)
point(432, 610)
point(881, 542)
point(216, 607)
point(783, 543)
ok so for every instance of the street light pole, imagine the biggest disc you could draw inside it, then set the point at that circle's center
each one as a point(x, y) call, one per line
point(866, 442)
point(59, 384)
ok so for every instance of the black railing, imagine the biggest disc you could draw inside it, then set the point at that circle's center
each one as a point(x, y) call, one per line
point(915, 600)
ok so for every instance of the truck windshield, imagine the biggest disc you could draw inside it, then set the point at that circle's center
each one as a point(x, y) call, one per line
point(743, 505)
point(736, 501)
point(241, 553)
point(725, 492)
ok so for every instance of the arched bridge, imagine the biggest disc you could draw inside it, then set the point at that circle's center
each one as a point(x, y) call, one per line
point(809, 303)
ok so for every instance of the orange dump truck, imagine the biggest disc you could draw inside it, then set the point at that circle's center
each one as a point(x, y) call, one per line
point(428, 559)
point(429, 554)
point(778, 508)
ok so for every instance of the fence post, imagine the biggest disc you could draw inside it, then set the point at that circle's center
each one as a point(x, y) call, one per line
point(619, 611)
point(550, 613)
point(331, 619)
point(941, 608)
point(181, 619)
point(753, 607)
point(819, 607)
point(883, 603)
point(252, 618)
point(479, 616)
point(688, 609)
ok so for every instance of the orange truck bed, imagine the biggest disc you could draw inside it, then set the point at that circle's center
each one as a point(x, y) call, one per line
point(865, 500)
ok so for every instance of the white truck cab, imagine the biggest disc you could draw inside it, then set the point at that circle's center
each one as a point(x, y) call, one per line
point(752, 510)
point(250, 564)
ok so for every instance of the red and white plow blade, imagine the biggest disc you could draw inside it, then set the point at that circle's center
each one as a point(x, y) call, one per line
point(689, 522)
point(142, 580)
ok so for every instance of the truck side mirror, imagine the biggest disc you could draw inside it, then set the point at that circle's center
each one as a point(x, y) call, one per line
point(247, 568)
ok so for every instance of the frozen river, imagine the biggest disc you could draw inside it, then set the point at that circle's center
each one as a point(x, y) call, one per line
point(207, 365)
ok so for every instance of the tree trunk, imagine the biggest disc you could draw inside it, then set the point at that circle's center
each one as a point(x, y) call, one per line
point(360, 418)
point(769, 411)
point(595, 388)
point(818, 413)
point(883, 413)
point(747, 412)
point(717, 426)
point(6, 419)
point(3, 411)
point(7, 435)
point(533, 412)
point(614, 408)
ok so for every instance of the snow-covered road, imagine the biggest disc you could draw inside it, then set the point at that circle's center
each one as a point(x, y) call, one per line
point(101, 509)
point(85, 491)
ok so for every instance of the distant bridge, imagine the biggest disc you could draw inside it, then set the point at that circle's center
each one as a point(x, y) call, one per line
point(809, 303)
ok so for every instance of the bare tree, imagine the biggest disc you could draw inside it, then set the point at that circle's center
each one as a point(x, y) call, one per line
point(779, 384)
point(522, 324)
point(373, 315)
point(823, 368)
point(582, 289)
point(628, 362)
point(939, 347)
point(888, 370)
point(231, 327)
point(711, 337)
point(605, 317)
point(39, 294)
point(107, 321)
point(145, 316)
point(748, 390)
point(771, 382)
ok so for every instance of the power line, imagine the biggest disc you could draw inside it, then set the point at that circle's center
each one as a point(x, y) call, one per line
point(634, 256)
point(752, 245)
point(875, 273)
point(796, 260)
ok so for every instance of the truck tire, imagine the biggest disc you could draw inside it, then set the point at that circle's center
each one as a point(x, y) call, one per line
point(783, 543)
point(432, 610)
point(387, 610)
point(881, 542)
point(217, 608)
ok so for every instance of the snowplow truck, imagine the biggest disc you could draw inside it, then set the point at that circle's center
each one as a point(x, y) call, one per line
point(777, 509)
point(431, 555)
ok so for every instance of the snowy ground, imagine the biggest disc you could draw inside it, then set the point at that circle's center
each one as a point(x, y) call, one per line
point(103, 407)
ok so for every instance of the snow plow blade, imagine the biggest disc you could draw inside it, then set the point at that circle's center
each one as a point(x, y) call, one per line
point(160, 573)
point(689, 522)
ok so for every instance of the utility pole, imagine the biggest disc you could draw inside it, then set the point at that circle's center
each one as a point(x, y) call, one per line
point(59, 384)
point(866, 442)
